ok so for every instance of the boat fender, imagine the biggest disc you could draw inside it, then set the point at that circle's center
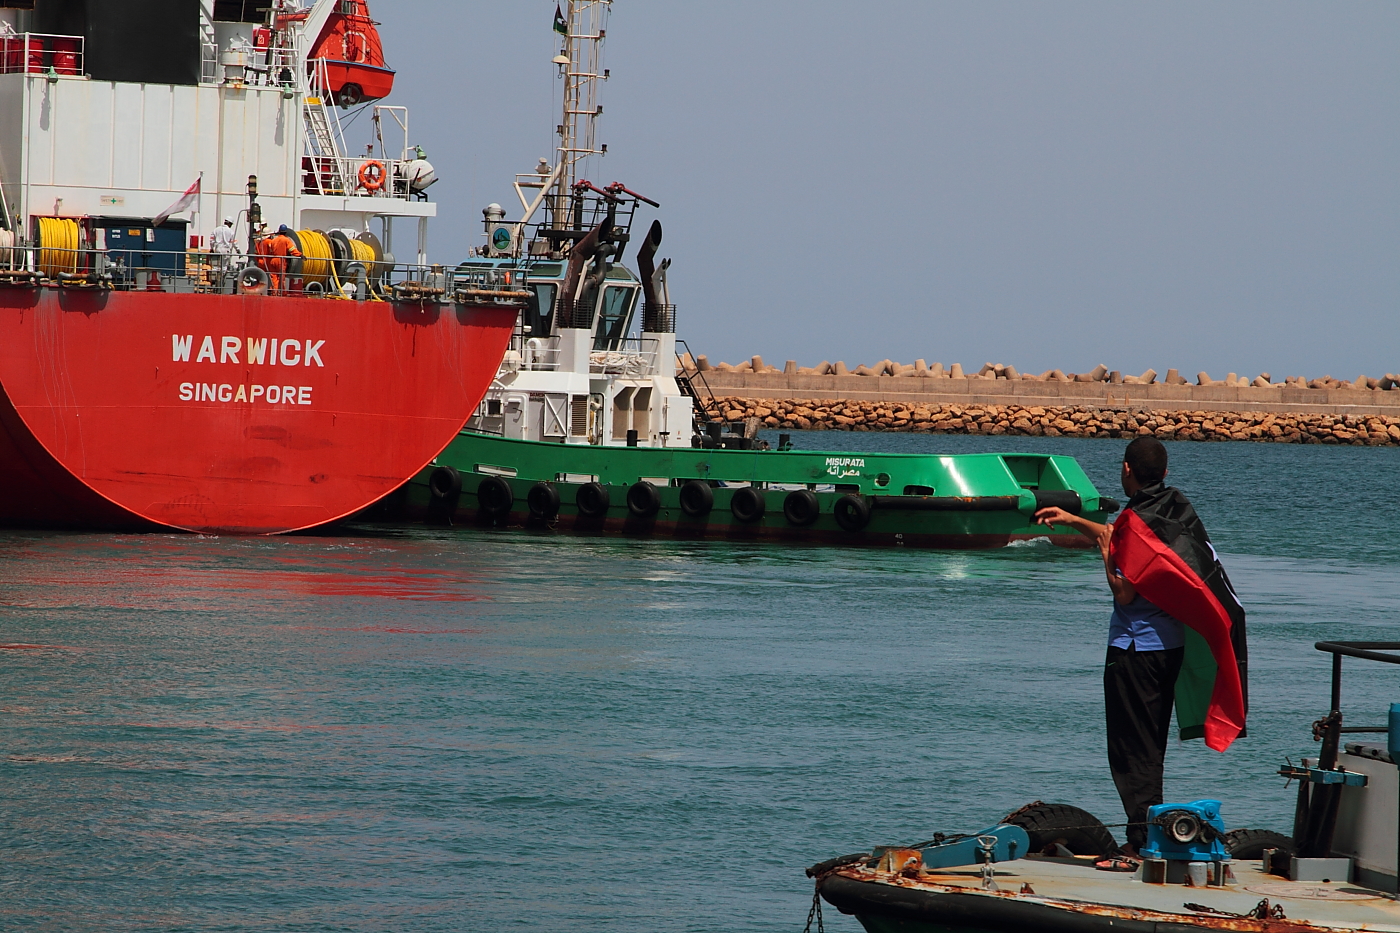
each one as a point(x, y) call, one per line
point(543, 500)
point(643, 500)
point(697, 498)
point(801, 507)
point(495, 497)
point(852, 512)
point(372, 175)
point(592, 500)
point(252, 280)
point(747, 505)
point(1066, 499)
point(445, 483)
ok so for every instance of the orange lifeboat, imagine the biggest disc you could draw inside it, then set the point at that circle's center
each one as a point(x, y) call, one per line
point(349, 45)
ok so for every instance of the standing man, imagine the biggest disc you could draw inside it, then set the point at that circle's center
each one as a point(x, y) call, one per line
point(221, 240)
point(274, 252)
point(221, 244)
point(1162, 572)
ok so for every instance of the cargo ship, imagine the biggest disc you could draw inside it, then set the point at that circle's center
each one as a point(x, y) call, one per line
point(593, 427)
point(203, 325)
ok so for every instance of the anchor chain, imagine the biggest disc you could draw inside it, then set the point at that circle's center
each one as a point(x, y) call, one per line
point(816, 912)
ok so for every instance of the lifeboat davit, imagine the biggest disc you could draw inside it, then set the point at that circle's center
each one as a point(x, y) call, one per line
point(353, 55)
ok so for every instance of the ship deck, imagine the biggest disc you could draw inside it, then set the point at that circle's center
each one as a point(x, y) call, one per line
point(1070, 894)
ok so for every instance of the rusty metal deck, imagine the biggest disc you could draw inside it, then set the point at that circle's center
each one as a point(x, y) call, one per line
point(1070, 894)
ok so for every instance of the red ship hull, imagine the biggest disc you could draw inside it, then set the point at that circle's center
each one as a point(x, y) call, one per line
point(223, 413)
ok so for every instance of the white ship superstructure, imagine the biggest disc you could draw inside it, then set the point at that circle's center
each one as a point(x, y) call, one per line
point(111, 111)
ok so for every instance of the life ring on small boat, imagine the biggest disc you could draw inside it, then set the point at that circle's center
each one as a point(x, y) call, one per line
point(852, 512)
point(543, 500)
point(495, 497)
point(252, 280)
point(747, 505)
point(592, 500)
point(444, 483)
point(697, 498)
point(643, 499)
point(801, 507)
point(372, 175)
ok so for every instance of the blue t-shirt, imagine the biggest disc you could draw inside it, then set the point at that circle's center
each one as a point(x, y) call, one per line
point(1141, 623)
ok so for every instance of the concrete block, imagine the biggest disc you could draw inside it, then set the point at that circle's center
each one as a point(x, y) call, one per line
point(702, 363)
point(957, 371)
point(790, 367)
point(1115, 378)
point(1098, 373)
point(840, 369)
point(1149, 377)
point(1320, 869)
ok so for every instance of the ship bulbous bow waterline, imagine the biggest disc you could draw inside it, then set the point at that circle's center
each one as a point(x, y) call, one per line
point(226, 413)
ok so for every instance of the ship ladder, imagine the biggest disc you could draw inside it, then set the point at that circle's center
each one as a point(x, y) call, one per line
point(705, 408)
point(326, 155)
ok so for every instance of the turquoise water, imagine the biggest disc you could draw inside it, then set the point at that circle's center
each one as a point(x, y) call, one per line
point(437, 730)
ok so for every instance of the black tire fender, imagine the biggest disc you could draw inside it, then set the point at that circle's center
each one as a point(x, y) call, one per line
point(643, 499)
point(801, 507)
point(543, 500)
point(852, 512)
point(445, 483)
point(747, 505)
point(697, 498)
point(592, 500)
point(1248, 844)
point(1078, 830)
point(495, 497)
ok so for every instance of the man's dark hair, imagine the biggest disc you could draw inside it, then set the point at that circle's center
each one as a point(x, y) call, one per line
point(1147, 458)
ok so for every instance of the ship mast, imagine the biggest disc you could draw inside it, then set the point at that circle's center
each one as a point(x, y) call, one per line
point(580, 62)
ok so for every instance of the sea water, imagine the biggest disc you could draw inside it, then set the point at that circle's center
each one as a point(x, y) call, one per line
point(410, 729)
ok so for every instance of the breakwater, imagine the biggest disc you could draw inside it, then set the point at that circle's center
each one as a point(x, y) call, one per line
point(1062, 421)
point(1145, 392)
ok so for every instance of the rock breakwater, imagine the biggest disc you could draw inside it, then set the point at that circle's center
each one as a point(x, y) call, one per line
point(1064, 421)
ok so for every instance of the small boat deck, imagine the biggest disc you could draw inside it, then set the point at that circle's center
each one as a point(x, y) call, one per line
point(1070, 894)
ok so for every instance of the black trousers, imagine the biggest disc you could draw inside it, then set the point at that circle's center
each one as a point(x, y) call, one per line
point(1139, 688)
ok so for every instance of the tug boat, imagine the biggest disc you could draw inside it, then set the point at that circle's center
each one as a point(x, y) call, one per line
point(151, 381)
point(1036, 869)
point(591, 427)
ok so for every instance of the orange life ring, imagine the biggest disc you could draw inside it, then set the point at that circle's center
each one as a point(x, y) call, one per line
point(372, 175)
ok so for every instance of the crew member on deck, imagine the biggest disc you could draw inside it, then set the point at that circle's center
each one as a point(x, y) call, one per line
point(221, 241)
point(1145, 651)
point(273, 253)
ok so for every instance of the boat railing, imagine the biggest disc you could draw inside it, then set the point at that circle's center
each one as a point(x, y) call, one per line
point(632, 356)
point(532, 354)
point(37, 53)
point(357, 177)
point(249, 66)
point(659, 318)
point(199, 271)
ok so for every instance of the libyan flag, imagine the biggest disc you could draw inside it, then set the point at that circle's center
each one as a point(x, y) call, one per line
point(561, 26)
point(1161, 547)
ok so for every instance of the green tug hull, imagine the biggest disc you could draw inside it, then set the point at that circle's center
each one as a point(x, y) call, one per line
point(893, 500)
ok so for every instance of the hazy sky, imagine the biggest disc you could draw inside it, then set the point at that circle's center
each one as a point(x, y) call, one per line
point(1199, 185)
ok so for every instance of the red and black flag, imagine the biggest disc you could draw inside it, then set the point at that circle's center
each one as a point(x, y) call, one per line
point(1161, 547)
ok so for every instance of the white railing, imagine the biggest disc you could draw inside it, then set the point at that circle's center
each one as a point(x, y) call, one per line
point(357, 177)
point(36, 53)
point(635, 357)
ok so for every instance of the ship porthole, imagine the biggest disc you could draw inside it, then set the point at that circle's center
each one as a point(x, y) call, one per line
point(543, 500)
point(643, 500)
point(495, 496)
point(852, 512)
point(592, 500)
point(801, 507)
point(697, 498)
point(747, 505)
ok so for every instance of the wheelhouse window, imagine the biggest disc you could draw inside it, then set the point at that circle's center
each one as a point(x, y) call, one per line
point(614, 316)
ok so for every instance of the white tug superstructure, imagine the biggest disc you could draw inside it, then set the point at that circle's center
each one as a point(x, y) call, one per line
point(574, 373)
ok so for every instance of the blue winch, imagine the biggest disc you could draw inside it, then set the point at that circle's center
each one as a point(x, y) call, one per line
point(1187, 832)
